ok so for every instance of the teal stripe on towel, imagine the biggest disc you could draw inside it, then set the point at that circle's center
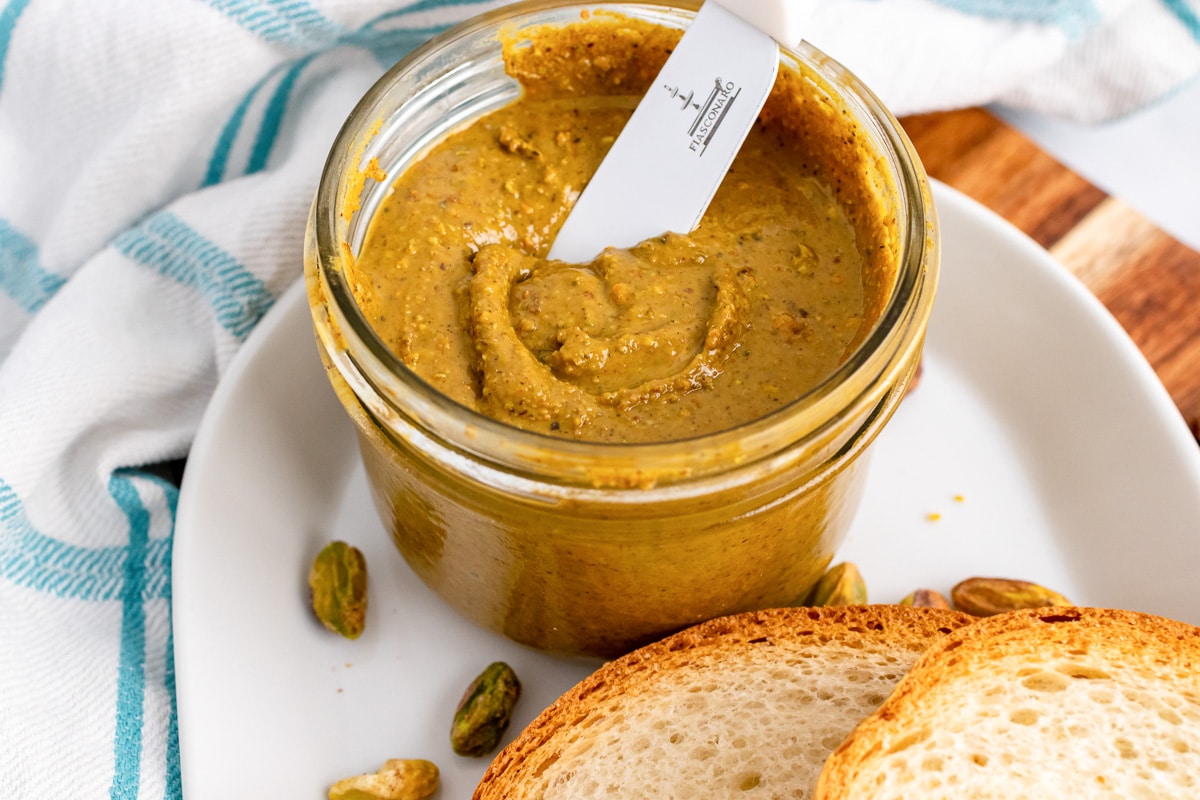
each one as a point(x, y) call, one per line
point(131, 671)
point(220, 156)
point(1186, 14)
point(1073, 17)
point(295, 23)
point(389, 45)
point(133, 573)
point(31, 559)
point(21, 276)
point(427, 5)
point(174, 787)
point(273, 117)
point(8, 23)
point(388, 37)
point(218, 163)
point(168, 245)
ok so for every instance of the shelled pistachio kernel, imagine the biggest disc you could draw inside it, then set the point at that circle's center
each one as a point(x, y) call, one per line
point(397, 779)
point(842, 585)
point(926, 598)
point(337, 587)
point(485, 711)
point(985, 597)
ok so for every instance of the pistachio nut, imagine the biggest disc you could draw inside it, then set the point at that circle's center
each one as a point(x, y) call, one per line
point(985, 597)
point(397, 779)
point(337, 587)
point(485, 710)
point(925, 598)
point(842, 585)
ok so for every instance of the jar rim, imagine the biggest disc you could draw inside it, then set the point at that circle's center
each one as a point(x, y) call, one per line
point(422, 410)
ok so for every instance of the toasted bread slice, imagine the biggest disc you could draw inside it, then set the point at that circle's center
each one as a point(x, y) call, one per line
point(748, 703)
point(1049, 702)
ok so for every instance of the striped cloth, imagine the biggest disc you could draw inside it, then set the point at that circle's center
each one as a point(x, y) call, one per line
point(157, 159)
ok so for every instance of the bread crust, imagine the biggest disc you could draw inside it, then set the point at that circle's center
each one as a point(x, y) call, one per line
point(1156, 648)
point(761, 634)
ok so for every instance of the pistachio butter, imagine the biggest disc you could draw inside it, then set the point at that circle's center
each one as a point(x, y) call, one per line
point(685, 334)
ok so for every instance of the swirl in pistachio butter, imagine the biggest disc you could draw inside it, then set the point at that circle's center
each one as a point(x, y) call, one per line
point(556, 340)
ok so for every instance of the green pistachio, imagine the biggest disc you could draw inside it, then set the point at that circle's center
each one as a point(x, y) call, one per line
point(485, 710)
point(926, 598)
point(337, 585)
point(842, 585)
point(985, 597)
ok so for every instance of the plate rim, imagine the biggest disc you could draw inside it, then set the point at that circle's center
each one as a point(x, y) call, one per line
point(1183, 450)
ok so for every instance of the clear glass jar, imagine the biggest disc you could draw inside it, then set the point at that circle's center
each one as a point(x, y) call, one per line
point(589, 548)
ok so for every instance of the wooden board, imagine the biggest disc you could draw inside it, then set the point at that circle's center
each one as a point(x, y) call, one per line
point(1147, 279)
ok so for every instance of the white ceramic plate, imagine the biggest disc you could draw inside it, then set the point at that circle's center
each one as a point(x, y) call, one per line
point(1038, 434)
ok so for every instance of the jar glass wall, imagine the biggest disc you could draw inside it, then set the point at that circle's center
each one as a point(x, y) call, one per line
point(583, 547)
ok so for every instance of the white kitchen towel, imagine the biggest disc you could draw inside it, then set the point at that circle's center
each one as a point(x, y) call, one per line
point(157, 160)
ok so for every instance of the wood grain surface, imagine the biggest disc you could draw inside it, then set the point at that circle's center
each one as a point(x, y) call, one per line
point(1147, 279)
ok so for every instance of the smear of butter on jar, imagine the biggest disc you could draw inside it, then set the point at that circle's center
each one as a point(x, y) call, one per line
point(357, 177)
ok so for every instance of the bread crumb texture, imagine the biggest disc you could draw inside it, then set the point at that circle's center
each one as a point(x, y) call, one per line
point(747, 706)
point(1079, 703)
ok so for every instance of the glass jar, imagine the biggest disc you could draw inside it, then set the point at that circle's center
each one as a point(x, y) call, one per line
point(588, 548)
